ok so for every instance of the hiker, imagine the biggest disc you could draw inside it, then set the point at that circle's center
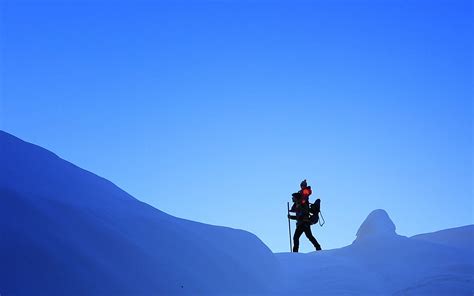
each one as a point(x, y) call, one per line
point(301, 198)
point(303, 223)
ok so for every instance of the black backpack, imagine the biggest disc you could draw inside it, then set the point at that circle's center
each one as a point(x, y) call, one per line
point(315, 209)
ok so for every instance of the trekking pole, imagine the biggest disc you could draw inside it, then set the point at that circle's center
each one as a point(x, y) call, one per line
point(289, 226)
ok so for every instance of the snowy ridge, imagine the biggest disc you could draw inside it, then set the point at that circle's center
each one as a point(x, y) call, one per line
point(66, 231)
point(459, 237)
point(378, 224)
point(381, 262)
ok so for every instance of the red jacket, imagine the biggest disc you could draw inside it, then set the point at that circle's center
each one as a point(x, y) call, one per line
point(305, 193)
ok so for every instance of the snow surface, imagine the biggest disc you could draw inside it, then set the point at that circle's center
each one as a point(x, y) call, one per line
point(66, 231)
point(377, 224)
point(460, 237)
point(381, 262)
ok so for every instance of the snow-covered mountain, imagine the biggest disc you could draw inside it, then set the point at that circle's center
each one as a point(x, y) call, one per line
point(381, 262)
point(66, 231)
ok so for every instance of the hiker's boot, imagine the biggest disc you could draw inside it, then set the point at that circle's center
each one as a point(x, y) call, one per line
point(318, 248)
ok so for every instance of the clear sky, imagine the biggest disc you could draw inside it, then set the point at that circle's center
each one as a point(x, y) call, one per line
point(214, 111)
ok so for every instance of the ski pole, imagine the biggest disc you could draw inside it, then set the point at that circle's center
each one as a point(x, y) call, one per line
point(289, 226)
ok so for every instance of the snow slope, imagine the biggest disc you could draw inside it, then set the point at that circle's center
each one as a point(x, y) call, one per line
point(66, 231)
point(381, 262)
point(460, 237)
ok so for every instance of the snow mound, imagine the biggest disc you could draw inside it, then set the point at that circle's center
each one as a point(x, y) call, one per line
point(381, 262)
point(378, 223)
point(66, 231)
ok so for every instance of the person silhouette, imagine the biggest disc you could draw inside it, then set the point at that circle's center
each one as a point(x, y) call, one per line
point(302, 217)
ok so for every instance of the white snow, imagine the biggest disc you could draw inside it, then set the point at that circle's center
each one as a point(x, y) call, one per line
point(459, 237)
point(66, 231)
point(381, 262)
point(377, 224)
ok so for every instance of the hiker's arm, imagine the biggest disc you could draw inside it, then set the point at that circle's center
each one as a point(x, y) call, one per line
point(291, 217)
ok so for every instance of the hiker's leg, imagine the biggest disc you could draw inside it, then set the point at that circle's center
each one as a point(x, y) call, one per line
point(296, 238)
point(312, 239)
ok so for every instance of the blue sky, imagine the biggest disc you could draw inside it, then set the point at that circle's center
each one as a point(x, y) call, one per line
point(214, 111)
